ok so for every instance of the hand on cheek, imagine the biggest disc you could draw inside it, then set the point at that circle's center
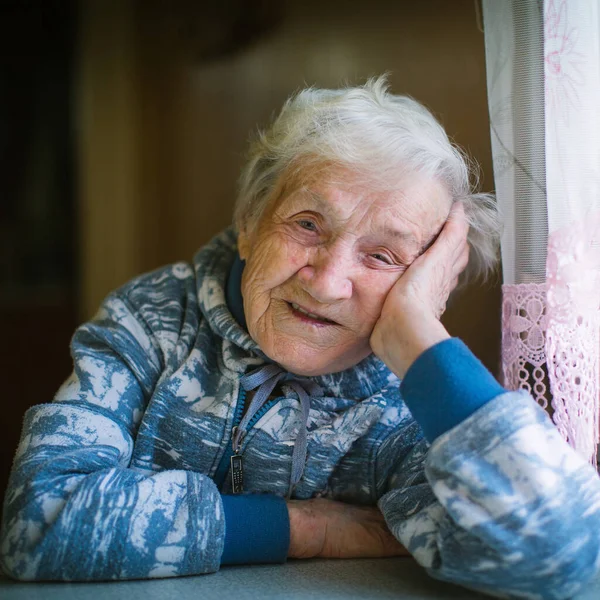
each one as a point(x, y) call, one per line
point(409, 323)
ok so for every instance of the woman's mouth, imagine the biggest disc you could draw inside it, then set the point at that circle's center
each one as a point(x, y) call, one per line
point(310, 317)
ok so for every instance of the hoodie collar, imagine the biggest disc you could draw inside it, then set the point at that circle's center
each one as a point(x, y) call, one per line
point(233, 294)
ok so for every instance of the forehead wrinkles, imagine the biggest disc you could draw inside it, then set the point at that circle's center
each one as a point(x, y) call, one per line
point(352, 203)
point(379, 216)
point(383, 213)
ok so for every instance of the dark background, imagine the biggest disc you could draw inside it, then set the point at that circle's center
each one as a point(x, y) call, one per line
point(122, 129)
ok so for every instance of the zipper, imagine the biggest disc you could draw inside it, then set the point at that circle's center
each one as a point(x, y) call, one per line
point(223, 468)
point(264, 409)
point(232, 460)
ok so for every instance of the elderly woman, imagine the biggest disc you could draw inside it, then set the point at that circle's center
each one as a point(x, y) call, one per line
point(292, 393)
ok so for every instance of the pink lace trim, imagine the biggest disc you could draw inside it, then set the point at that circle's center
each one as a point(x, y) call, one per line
point(524, 339)
point(551, 332)
point(573, 332)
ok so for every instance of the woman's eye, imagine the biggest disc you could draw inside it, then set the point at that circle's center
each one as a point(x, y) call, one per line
point(381, 258)
point(307, 224)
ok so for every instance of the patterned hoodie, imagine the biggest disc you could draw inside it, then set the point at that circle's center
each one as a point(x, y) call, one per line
point(124, 474)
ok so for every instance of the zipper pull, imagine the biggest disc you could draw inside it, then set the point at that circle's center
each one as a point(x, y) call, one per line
point(237, 465)
point(237, 473)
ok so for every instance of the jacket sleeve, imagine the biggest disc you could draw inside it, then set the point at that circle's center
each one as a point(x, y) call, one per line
point(74, 509)
point(499, 503)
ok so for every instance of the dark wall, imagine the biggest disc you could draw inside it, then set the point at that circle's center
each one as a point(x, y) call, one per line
point(38, 257)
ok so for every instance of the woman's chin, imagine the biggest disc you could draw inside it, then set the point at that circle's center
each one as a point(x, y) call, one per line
point(311, 362)
point(305, 370)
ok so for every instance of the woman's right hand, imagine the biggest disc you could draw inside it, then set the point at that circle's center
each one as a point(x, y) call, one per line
point(330, 529)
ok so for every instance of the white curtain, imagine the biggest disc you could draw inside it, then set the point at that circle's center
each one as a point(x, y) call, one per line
point(543, 70)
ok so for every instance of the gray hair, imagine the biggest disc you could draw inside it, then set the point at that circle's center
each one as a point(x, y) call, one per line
point(380, 137)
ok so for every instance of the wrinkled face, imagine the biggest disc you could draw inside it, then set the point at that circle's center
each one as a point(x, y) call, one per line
point(321, 262)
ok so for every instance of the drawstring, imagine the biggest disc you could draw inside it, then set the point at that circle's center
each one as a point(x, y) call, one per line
point(265, 378)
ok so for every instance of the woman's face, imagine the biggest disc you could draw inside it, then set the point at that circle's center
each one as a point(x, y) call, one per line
point(321, 262)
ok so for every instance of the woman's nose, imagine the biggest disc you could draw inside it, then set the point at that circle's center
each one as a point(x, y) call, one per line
point(327, 276)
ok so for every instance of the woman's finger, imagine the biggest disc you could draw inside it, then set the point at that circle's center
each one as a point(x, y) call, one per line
point(453, 236)
point(463, 259)
point(457, 214)
point(458, 224)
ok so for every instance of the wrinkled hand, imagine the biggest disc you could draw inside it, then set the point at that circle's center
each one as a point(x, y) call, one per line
point(429, 280)
point(409, 321)
point(329, 529)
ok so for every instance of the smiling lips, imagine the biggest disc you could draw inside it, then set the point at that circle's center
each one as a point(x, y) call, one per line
point(310, 315)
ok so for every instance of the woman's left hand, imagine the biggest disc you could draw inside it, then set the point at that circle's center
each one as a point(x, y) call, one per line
point(409, 323)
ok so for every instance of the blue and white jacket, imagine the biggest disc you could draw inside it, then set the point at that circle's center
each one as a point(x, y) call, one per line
point(125, 474)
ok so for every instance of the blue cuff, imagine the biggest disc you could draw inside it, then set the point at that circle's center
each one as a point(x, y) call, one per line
point(257, 529)
point(445, 385)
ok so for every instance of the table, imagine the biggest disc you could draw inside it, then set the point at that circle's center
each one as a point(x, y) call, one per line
point(397, 578)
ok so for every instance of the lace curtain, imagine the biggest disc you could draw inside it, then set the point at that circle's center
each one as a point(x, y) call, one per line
point(543, 70)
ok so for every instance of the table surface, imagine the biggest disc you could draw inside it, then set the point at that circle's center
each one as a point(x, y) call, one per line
point(398, 578)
